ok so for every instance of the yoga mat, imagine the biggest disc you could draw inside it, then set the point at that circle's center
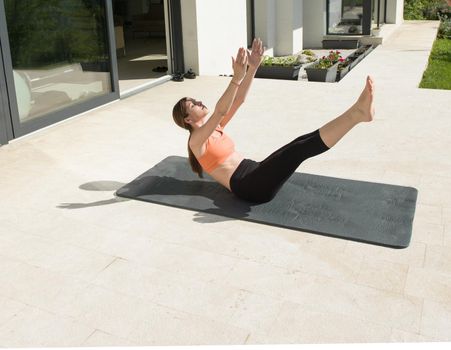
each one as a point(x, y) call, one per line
point(361, 211)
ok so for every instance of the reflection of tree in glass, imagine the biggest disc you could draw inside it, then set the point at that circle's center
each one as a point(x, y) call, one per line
point(45, 33)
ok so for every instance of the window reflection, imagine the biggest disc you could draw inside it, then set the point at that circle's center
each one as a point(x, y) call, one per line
point(345, 17)
point(59, 53)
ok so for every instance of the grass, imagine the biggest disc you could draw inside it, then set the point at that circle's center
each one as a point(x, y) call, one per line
point(438, 72)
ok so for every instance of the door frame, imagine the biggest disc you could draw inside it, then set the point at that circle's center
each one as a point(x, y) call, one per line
point(175, 36)
point(5, 116)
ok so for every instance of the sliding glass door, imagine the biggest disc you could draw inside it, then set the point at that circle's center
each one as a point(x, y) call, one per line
point(58, 59)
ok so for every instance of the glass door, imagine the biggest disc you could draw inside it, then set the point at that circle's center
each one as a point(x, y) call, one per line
point(57, 58)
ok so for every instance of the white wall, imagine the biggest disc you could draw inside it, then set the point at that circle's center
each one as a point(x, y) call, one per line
point(314, 23)
point(395, 11)
point(189, 30)
point(288, 27)
point(279, 24)
point(213, 30)
point(265, 24)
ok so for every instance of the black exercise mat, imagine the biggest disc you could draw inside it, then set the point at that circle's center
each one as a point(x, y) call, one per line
point(356, 210)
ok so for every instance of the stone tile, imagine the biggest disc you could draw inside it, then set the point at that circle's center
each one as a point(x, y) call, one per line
point(447, 236)
point(327, 263)
point(431, 190)
point(267, 280)
point(70, 260)
point(431, 214)
point(429, 284)
point(326, 295)
point(184, 260)
point(59, 228)
point(383, 275)
point(213, 300)
point(446, 215)
point(9, 308)
point(438, 258)
point(253, 243)
point(398, 336)
point(413, 255)
point(401, 178)
point(297, 324)
point(170, 289)
point(102, 309)
point(436, 320)
point(165, 327)
point(100, 338)
point(29, 284)
point(18, 245)
point(424, 232)
point(35, 328)
point(255, 312)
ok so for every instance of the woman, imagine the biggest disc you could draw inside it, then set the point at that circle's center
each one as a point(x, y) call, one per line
point(212, 151)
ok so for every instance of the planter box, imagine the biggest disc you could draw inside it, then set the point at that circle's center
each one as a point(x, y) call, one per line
point(368, 50)
point(356, 60)
point(340, 44)
point(341, 73)
point(360, 57)
point(278, 72)
point(327, 75)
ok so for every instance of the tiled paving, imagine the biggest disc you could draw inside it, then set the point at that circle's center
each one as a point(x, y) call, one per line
point(80, 267)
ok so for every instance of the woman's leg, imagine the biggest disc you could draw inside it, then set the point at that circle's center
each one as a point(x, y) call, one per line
point(361, 111)
point(263, 182)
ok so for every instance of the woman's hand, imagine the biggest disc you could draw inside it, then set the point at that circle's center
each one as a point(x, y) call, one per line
point(256, 55)
point(239, 64)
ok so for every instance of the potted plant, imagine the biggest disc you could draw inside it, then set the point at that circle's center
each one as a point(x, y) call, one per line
point(326, 68)
point(284, 67)
point(343, 68)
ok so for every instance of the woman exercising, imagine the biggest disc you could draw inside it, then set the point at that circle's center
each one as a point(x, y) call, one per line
point(212, 151)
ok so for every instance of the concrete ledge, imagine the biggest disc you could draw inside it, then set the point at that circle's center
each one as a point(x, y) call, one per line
point(143, 87)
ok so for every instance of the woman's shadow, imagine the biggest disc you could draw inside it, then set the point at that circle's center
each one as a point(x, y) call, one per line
point(211, 201)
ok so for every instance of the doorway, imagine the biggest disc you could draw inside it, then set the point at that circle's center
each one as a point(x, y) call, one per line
point(141, 42)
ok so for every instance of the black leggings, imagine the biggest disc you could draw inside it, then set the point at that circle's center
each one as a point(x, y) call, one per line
point(259, 182)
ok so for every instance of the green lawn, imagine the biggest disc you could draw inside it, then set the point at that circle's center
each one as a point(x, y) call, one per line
point(438, 72)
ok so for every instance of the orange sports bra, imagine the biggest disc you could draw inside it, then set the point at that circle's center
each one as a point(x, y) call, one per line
point(217, 151)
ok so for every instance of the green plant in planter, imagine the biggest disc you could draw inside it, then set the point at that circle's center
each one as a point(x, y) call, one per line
point(284, 61)
point(343, 63)
point(328, 61)
point(309, 53)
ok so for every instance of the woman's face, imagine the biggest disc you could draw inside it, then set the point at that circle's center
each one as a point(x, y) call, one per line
point(195, 109)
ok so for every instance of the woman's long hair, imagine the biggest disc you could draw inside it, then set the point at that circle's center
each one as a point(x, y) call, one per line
point(179, 114)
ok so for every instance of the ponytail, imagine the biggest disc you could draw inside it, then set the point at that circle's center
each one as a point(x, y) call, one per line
point(179, 114)
point(195, 165)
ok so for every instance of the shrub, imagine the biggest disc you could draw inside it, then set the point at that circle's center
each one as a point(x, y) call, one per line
point(444, 31)
point(424, 9)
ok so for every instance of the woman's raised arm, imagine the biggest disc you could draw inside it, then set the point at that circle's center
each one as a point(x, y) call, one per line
point(254, 60)
point(225, 102)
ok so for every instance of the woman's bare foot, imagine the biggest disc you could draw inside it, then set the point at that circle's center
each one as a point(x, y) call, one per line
point(363, 109)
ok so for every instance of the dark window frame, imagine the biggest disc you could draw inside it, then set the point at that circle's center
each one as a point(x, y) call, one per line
point(366, 20)
point(16, 128)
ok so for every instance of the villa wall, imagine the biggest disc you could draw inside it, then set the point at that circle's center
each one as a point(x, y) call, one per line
point(213, 30)
point(280, 25)
point(314, 18)
point(395, 11)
